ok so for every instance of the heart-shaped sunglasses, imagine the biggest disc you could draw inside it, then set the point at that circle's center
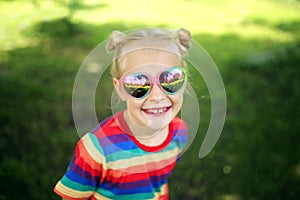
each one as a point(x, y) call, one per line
point(139, 85)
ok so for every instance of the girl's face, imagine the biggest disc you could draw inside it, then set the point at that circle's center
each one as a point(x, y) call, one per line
point(157, 109)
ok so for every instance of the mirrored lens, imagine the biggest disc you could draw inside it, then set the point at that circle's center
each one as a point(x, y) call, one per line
point(137, 85)
point(172, 80)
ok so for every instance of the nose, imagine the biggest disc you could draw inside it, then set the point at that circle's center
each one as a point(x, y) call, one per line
point(156, 94)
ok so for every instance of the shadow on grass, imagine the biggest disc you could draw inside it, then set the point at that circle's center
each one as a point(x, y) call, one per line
point(38, 134)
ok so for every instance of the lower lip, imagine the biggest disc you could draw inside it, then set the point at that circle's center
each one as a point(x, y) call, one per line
point(157, 114)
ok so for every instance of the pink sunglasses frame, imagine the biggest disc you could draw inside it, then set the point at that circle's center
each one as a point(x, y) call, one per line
point(154, 80)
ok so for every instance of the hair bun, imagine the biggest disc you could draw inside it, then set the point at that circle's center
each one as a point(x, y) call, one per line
point(115, 40)
point(184, 37)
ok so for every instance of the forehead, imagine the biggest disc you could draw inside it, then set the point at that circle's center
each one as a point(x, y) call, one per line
point(149, 60)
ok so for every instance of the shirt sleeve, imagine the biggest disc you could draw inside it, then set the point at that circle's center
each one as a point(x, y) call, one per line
point(181, 136)
point(85, 172)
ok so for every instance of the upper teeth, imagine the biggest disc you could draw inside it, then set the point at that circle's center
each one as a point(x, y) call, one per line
point(157, 111)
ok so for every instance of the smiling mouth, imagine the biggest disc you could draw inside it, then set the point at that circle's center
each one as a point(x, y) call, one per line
point(157, 111)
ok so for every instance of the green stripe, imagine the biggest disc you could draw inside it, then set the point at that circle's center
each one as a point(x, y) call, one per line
point(138, 196)
point(76, 186)
point(96, 143)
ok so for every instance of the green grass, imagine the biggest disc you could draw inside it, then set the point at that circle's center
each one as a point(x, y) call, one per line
point(248, 18)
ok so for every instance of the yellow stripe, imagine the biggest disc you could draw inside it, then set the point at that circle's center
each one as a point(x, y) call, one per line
point(99, 196)
point(164, 191)
point(70, 192)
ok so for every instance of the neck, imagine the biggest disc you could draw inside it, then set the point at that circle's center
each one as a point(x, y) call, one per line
point(144, 132)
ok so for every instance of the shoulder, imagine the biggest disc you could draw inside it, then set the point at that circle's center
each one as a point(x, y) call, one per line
point(178, 124)
point(94, 141)
point(108, 128)
point(107, 137)
point(180, 130)
point(90, 149)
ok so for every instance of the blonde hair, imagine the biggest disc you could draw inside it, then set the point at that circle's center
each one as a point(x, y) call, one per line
point(177, 42)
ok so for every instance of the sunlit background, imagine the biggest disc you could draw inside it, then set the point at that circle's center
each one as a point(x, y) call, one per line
point(255, 44)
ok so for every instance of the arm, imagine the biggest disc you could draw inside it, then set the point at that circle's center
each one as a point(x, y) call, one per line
point(86, 170)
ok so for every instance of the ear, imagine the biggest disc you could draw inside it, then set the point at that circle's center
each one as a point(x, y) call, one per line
point(117, 86)
point(115, 82)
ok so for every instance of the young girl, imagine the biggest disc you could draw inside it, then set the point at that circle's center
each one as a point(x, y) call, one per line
point(132, 154)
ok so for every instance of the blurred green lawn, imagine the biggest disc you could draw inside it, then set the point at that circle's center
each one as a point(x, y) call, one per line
point(249, 19)
point(255, 44)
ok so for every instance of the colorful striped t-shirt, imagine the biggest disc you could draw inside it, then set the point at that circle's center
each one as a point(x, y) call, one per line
point(109, 163)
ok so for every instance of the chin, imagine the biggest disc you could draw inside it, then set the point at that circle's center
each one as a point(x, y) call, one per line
point(159, 122)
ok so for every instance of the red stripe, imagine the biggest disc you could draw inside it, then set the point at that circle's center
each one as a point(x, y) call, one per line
point(151, 166)
point(178, 124)
point(110, 127)
point(87, 163)
point(119, 176)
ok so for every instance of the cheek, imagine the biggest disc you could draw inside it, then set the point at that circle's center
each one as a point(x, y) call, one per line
point(133, 104)
point(177, 100)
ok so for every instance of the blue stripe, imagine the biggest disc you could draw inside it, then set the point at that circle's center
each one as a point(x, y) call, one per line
point(123, 188)
point(76, 174)
point(158, 181)
point(121, 146)
point(180, 132)
point(130, 153)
